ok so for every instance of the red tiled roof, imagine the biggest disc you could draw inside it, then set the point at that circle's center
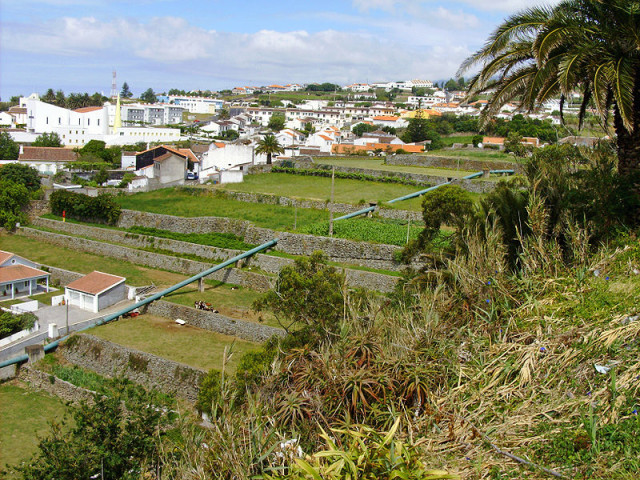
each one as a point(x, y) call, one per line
point(4, 256)
point(95, 282)
point(87, 109)
point(48, 154)
point(14, 273)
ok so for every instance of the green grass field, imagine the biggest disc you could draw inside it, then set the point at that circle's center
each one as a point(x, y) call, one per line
point(476, 154)
point(202, 203)
point(182, 343)
point(377, 163)
point(319, 188)
point(24, 416)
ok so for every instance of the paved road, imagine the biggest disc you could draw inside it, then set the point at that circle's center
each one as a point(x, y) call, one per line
point(78, 319)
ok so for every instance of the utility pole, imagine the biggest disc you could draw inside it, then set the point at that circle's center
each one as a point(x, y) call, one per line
point(67, 307)
point(333, 178)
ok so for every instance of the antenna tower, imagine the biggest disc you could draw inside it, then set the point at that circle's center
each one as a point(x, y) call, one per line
point(114, 87)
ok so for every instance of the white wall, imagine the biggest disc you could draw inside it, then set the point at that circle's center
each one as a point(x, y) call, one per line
point(229, 156)
point(231, 176)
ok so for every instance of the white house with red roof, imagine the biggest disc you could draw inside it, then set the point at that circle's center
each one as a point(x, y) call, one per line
point(96, 291)
point(20, 277)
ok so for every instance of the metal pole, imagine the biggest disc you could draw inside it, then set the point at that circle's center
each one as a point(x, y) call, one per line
point(67, 305)
point(408, 229)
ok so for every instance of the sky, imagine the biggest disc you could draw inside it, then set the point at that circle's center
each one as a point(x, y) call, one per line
point(74, 45)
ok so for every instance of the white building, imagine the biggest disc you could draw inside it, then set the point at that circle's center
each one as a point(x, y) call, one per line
point(77, 127)
point(204, 105)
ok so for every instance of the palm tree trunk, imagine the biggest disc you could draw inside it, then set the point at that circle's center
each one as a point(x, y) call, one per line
point(268, 158)
point(628, 143)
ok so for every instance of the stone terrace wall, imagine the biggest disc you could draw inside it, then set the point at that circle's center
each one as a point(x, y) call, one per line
point(346, 251)
point(477, 186)
point(342, 208)
point(60, 388)
point(253, 332)
point(436, 161)
point(61, 276)
point(267, 263)
point(235, 276)
point(150, 371)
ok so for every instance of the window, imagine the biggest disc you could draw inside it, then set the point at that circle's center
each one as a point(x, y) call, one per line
point(26, 284)
point(47, 120)
point(98, 122)
point(59, 120)
point(88, 121)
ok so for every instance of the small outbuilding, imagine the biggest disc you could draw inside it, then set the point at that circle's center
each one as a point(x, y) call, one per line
point(96, 291)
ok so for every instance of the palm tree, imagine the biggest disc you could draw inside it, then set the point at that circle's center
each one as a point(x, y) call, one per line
point(269, 145)
point(590, 46)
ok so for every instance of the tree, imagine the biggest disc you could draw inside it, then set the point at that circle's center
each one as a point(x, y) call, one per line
point(588, 46)
point(49, 97)
point(126, 93)
point(9, 150)
point(308, 293)
point(223, 114)
point(47, 140)
point(362, 128)
point(276, 122)
point(270, 146)
point(117, 437)
point(513, 144)
point(21, 174)
point(148, 96)
point(451, 85)
point(13, 198)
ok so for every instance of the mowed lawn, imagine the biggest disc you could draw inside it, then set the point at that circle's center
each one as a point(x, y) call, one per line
point(319, 188)
point(205, 203)
point(193, 346)
point(24, 416)
point(228, 299)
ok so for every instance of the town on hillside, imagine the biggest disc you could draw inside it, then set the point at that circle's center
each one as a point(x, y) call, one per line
point(414, 279)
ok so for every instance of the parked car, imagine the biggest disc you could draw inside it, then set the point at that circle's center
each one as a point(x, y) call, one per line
point(192, 176)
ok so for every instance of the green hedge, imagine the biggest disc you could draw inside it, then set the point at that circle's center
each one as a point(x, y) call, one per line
point(100, 209)
point(10, 323)
point(326, 172)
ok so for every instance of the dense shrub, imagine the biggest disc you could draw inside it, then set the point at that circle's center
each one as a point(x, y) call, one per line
point(10, 323)
point(101, 209)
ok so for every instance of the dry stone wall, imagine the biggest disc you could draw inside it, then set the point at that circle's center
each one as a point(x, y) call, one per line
point(266, 263)
point(436, 161)
point(61, 276)
point(109, 359)
point(53, 385)
point(234, 276)
point(345, 251)
point(253, 332)
point(342, 208)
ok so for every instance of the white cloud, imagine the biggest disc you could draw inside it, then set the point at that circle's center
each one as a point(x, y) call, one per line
point(175, 47)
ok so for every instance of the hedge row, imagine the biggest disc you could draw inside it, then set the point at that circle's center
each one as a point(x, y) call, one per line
point(100, 209)
point(323, 172)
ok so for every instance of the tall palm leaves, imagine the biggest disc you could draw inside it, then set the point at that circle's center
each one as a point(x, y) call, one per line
point(591, 46)
point(269, 145)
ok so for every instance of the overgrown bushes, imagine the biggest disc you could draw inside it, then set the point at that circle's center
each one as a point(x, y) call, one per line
point(100, 209)
point(11, 323)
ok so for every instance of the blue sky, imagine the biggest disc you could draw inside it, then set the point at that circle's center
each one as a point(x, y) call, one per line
point(74, 45)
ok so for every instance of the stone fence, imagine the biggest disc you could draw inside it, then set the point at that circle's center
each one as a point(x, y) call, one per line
point(267, 263)
point(234, 276)
point(366, 254)
point(251, 331)
point(53, 385)
point(463, 163)
point(110, 359)
point(342, 208)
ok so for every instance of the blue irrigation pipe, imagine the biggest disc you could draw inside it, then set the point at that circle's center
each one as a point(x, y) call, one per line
point(473, 175)
point(417, 194)
point(113, 316)
point(355, 214)
point(509, 172)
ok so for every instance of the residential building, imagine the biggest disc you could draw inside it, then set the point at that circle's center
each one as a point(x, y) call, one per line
point(20, 277)
point(203, 105)
point(96, 291)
